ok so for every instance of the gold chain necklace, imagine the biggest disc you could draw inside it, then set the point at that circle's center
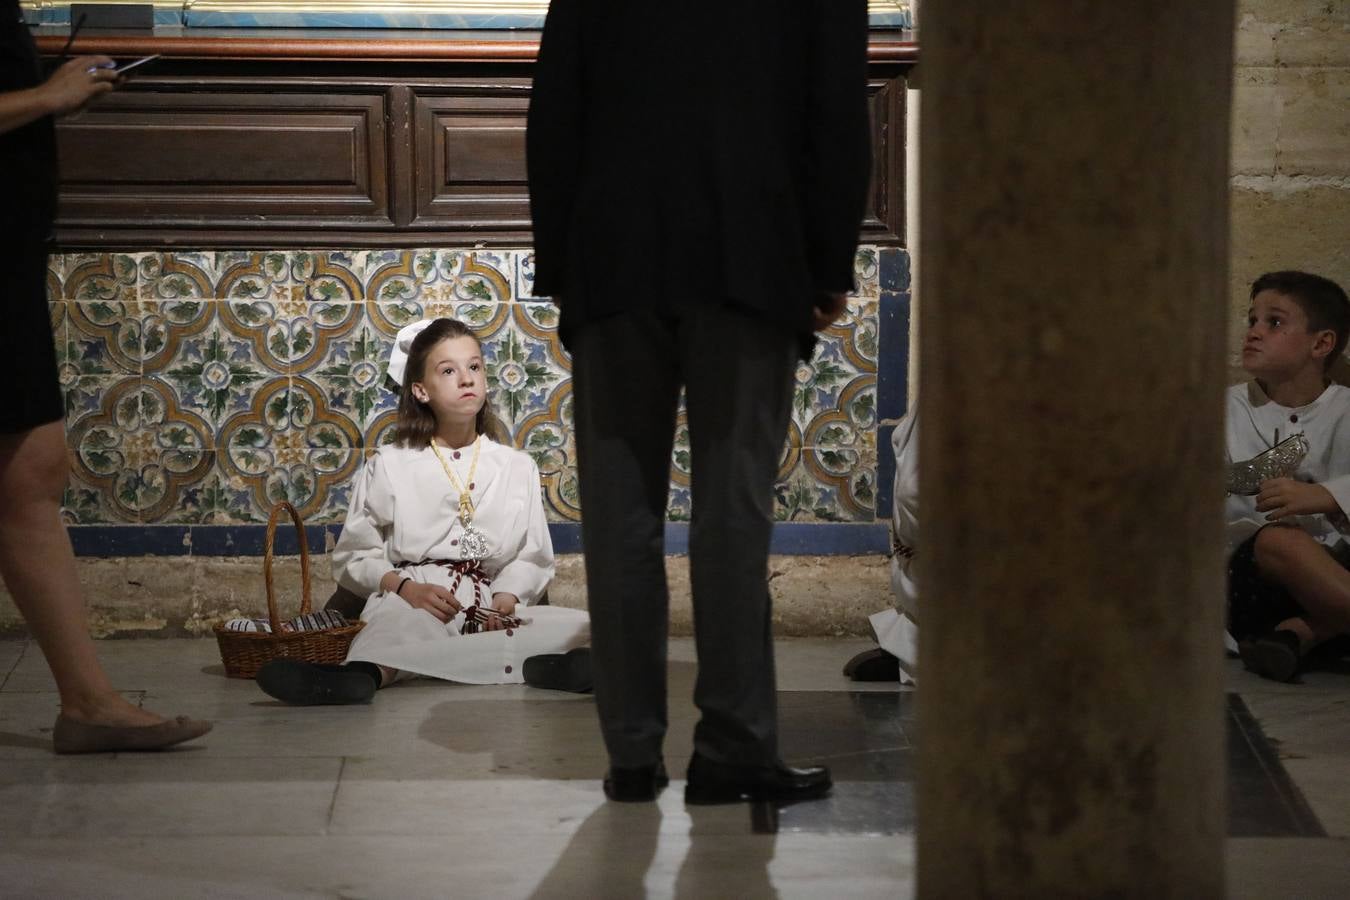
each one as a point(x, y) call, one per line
point(474, 543)
point(465, 501)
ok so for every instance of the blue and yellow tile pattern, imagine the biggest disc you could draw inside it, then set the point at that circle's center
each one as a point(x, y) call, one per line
point(201, 387)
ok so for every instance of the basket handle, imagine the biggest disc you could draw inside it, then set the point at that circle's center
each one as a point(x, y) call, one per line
point(267, 563)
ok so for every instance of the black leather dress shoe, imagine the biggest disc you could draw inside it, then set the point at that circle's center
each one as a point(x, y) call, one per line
point(715, 782)
point(636, 785)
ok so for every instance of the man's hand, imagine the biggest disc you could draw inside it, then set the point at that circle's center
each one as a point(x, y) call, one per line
point(433, 598)
point(830, 310)
point(1282, 497)
point(77, 82)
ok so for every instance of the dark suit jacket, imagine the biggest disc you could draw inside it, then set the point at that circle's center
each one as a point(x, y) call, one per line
point(698, 152)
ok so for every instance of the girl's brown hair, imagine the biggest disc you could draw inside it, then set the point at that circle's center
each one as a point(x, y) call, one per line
point(416, 422)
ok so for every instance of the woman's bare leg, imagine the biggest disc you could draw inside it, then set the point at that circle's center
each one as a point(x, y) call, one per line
point(38, 567)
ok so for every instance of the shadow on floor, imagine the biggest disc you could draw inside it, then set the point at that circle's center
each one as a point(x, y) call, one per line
point(867, 739)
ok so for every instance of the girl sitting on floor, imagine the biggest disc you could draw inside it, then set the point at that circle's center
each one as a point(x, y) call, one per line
point(445, 535)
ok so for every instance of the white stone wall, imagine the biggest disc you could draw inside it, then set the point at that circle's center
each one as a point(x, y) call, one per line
point(1291, 145)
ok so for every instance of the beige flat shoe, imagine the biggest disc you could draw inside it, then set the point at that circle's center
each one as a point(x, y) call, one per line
point(70, 736)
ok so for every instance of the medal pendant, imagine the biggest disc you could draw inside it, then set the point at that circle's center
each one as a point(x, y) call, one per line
point(473, 545)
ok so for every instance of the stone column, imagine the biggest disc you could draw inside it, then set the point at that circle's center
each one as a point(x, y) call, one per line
point(1074, 216)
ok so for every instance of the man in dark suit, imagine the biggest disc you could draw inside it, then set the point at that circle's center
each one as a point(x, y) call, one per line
point(698, 173)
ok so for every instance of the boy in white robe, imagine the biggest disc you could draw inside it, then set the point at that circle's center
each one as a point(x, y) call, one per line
point(896, 658)
point(446, 537)
point(1289, 588)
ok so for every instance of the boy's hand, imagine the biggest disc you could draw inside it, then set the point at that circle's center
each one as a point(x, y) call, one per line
point(433, 598)
point(1281, 497)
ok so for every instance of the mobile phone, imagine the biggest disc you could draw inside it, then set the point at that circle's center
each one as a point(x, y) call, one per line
point(122, 70)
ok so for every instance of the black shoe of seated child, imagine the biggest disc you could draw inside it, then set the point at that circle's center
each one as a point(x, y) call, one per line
point(570, 671)
point(636, 785)
point(1274, 656)
point(310, 684)
point(873, 665)
point(712, 782)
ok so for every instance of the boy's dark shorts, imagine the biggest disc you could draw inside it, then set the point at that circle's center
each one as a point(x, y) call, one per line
point(1255, 606)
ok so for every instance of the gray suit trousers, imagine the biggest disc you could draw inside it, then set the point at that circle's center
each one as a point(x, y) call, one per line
point(737, 372)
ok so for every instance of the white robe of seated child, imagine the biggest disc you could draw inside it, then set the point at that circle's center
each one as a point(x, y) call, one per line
point(404, 510)
point(897, 629)
point(1254, 423)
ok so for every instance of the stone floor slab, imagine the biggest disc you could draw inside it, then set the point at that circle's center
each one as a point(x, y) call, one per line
point(177, 792)
point(605, 857)
point(437, 789)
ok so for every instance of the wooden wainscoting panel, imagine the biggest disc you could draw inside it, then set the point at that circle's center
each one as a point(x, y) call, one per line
point(151, 158)
point(299, 139)
point(884, 221)
point(469, 157)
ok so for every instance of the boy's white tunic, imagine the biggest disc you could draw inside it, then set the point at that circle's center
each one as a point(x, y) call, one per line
point(405, 510)
point(897, 630)
point(1255, 423)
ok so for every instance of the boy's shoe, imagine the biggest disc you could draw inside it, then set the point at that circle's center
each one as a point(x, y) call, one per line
point(1274, 655)
point(636, 785)
point(311, 684)
point(570, 671)
point(717, 782)
point(873, 665)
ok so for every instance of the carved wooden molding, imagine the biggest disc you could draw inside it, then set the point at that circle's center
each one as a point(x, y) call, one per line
point(899, 48)
point(244, 142)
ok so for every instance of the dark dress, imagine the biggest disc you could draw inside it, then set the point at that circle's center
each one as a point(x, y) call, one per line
point(28, 169)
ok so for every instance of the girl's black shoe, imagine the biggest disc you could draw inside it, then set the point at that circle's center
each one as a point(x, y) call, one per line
point(310, 684)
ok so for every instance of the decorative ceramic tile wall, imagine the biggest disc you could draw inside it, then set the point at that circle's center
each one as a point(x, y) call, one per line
point(201, 387)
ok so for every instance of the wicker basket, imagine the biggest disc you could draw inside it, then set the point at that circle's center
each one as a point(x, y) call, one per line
point(244, 652)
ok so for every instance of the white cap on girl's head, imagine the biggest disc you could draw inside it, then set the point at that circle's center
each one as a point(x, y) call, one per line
point(398, 358)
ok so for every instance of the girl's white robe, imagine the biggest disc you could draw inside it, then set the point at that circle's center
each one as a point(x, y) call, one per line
point(405, 510)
